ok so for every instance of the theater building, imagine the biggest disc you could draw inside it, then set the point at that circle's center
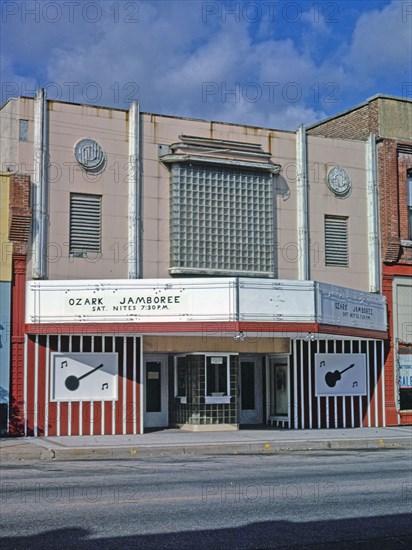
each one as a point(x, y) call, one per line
point(192, 273)
point(389, 120)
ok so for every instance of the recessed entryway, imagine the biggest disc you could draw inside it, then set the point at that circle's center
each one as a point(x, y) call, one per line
point(278, 381)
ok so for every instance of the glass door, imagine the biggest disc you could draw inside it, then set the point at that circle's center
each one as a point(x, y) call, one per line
point(250, 385)
point(155, 392)
point(279, 390)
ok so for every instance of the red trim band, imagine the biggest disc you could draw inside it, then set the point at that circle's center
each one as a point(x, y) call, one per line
point(209, 327)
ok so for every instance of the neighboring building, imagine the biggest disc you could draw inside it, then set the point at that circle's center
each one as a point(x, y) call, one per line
point(389, 120)
point(171, 274)
point(15, 232)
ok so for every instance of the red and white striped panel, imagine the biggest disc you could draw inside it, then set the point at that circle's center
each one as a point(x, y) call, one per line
point(309, 411)
point(43, 417)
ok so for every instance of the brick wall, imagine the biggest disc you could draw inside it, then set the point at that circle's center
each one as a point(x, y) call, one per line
point(20, 191)
point(394, 160)
point(19, 233)
point(373, 114)
point(388, 200)
point(16, 411)
point(357, 124)
point(404, 164)
point(20, 213)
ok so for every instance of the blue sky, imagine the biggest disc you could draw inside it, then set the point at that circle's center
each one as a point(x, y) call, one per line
point(264, 63)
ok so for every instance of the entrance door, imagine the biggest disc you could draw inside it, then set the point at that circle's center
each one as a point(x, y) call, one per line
point(250, 382)
point(155, 392)
point(279, 390)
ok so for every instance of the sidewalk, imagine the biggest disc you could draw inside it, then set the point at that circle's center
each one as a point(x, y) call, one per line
point(176, 442)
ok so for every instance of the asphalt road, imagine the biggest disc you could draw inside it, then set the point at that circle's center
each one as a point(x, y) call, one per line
point(356, 499)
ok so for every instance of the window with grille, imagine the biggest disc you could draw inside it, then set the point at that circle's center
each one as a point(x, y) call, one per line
point(336, 241)
point(221, 220)
point(85, 223)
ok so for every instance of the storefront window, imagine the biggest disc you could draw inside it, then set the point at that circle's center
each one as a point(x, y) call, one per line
point(405, 379)
point(402, 319)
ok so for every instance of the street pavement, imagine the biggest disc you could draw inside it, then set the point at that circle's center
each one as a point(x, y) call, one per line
point(310, 500)
point(177, 442)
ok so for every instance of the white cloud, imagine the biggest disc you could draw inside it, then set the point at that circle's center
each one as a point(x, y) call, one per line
point(382, 43)
point(170, 54)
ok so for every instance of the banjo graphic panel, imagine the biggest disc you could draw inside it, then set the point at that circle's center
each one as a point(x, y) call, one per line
point(84, 376)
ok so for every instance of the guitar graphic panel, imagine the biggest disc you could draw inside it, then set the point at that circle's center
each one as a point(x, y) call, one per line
point(332, 377)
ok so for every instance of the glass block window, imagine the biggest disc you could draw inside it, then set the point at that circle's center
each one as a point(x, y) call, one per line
point(221, 220)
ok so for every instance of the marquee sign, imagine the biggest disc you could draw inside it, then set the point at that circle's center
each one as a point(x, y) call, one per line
point(340, 374)
point(130, 301)
point(350, 308)
point(203, 299)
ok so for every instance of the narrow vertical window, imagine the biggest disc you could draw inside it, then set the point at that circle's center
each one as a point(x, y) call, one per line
point(23, 130)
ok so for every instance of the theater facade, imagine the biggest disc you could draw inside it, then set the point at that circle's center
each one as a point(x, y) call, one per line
point(189, 273)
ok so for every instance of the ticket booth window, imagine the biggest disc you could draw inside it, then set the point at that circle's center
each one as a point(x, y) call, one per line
point(217, 376)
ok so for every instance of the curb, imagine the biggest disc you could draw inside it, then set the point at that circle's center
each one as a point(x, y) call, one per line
point(34, 452)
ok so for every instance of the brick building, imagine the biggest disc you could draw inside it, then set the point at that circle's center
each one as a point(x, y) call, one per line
point(15, 237)
point(387, 121)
